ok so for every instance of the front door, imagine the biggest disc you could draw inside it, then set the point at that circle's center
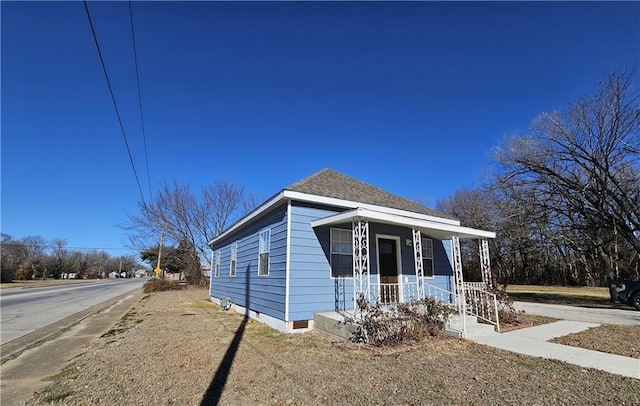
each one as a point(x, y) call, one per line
point(388, 270)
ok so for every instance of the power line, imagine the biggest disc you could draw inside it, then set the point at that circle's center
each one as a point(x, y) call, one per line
point(113, 98)
point(135, 59)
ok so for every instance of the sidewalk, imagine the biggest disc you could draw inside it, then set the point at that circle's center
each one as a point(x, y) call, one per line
point(628, 317)
point(534, 341)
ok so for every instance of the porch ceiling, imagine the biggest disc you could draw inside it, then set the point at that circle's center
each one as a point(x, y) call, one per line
point(434, 229)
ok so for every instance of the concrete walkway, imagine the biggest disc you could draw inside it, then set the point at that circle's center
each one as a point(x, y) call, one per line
point(534, 341)
point(625, 317)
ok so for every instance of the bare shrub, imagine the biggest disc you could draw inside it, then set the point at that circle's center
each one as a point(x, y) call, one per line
point(507, 314)
point(161, 285)
point(23, 273)
point(379, 325)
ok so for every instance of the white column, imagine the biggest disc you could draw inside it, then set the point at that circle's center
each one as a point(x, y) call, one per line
point(361, 275)
point(485, 265)
point(457, 273)
point(417, 257)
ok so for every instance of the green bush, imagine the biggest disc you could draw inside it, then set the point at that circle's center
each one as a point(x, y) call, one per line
point(378, 325)
point(161, 285)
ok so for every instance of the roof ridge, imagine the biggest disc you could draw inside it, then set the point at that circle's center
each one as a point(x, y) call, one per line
point(331, 183)
point(303, 180)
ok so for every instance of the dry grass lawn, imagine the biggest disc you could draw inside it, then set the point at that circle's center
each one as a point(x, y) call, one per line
point(581, 296)
point(613, 339)
point(179, 349)
point(560, 290)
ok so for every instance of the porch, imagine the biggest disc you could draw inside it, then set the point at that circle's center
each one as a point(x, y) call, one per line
point(387, 281)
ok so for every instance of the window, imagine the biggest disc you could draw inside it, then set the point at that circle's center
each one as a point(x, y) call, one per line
point(217, 265)
point(427, 257)
point(341, 253)
point(263, 255)
point(233, 260)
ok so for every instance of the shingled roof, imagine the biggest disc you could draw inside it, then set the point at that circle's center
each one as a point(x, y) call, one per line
point(330, 183)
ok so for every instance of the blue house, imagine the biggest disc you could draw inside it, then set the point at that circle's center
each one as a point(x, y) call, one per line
point(322, 242)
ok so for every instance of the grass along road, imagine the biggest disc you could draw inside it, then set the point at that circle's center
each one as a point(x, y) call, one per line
point(178, 345)
point(581, 296)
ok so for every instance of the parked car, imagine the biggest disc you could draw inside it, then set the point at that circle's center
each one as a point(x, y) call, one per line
point(629, 293)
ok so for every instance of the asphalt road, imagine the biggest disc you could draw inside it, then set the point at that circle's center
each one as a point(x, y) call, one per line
point(24, 311)
point(610, 316)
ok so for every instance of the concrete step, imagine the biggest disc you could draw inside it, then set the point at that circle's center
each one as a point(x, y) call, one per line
point(333, 323)
point(455, 326)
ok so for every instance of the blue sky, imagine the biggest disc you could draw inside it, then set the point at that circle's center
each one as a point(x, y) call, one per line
point(411, 97)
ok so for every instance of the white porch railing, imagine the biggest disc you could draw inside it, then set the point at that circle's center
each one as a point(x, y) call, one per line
point(385, 293)
point(477, 285)
point(389, 293)
point(481, 304)
point(439, 294)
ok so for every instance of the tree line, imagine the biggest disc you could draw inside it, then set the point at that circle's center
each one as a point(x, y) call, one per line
point(564, 196)
point(33, 257)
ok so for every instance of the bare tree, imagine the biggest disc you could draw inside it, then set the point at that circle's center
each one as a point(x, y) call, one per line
point(579, 172)
point(186, 220)
point(35, 246)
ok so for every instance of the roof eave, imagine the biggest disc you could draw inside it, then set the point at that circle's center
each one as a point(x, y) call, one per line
point(264, 207)
point(440, 229)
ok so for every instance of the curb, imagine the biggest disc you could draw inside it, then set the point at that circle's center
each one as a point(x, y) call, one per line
point(14, 348)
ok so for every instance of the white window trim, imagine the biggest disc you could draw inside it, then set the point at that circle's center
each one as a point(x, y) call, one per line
point(267, 251)
point(338, 253)
point(233, 256)
point(433, 262)
point(217, 265)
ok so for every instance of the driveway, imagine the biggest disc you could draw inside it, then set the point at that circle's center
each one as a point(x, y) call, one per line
point(591, 315)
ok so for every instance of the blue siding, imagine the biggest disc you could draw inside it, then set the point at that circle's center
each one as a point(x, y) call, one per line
point(311, 288)
point(264, 294)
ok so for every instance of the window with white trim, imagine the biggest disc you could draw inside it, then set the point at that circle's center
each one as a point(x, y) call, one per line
point(341, 253)
point(233, 260)
point(217, 265)
point(263, 254)
point(427, 257)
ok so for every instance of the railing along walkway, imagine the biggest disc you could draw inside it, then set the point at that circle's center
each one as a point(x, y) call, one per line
point(481, 304)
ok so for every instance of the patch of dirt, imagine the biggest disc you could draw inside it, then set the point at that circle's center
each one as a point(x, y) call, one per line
point(218, 357)
point(527, 320)
point(609, 338)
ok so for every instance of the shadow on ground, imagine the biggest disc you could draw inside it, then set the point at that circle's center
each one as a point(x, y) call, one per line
point(216, 387)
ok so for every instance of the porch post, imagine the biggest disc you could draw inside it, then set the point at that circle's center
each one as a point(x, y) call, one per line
point(417, 257)
point(485, 266)
point(457, 272)
point(361, 275)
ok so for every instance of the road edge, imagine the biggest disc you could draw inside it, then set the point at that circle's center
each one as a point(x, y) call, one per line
point(14, 348)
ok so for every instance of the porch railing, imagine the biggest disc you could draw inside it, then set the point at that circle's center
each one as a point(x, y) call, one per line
point(481, 304)
point(439, 294)
point(477, 285)
point(389, 293)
